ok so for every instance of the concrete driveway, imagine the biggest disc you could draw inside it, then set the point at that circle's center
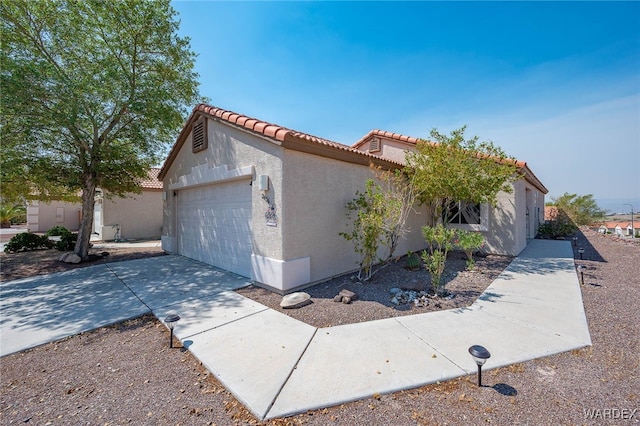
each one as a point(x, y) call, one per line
point(45, 308)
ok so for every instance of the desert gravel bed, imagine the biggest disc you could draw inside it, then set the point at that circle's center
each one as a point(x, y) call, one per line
point(374, 298)
point(126, 374)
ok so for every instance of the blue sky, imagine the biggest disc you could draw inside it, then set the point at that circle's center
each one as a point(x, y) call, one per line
point(554, 84)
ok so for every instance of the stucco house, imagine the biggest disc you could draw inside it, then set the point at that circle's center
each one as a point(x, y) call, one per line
point(134, 217)
point(268, 202)
point(44, 215)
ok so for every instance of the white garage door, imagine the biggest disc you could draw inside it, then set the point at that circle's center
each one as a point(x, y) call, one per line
point(214, 225)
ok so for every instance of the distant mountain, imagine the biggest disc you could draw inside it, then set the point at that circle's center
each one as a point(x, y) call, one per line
point(617, 205)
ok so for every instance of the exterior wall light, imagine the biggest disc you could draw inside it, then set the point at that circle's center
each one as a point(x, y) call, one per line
point(171, 321)
point(480, 355)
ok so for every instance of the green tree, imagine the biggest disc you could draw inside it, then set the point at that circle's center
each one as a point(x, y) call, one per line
point(92, 94)
point(379, 216)
point(451, 169)
point(582, 209)
point(399, 194)
point(368, 212)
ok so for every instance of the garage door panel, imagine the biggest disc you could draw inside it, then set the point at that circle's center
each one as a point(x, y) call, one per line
point(214, 225)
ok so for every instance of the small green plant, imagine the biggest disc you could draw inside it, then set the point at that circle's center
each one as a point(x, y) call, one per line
point(57, 231)
point(10, 213)
point(440, 242)
point(469, 242)
point(27, 241)
point(413, 261)
point(368, 212)
point(67, 242)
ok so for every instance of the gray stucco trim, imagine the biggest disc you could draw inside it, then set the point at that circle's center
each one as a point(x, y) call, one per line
point(203, 174)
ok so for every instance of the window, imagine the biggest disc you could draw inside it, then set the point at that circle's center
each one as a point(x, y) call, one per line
point(471, 216)
point(374, 146)
point(199, 135)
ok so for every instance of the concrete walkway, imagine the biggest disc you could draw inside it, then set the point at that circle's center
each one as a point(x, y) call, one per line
point(278, 366)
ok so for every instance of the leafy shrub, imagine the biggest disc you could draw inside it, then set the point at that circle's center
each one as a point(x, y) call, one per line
point(67, 242)
point(469, 242)
point(440, 241)
point(26, 241)
point(58, 230)
point(556, 228)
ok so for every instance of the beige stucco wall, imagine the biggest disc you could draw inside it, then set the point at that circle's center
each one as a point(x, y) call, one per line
point(507, 231)
point(138, 215)
point(42, 216)
point(389, 148)
point(232, 149)
point(316, 190)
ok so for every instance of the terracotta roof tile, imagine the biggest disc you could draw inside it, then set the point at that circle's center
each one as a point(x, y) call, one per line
point(289, 138)
point(386, 134)
point(522, 165)
point(152, 181)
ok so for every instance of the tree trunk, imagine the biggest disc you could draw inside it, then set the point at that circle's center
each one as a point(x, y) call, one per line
point(86, 225)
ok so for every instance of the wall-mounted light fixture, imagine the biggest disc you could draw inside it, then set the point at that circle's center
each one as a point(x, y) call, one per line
point(263, 183)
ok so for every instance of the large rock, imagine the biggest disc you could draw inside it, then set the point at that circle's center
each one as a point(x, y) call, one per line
point(415, 285)
point(295, 300)
point(348, 293)
point(70, 258)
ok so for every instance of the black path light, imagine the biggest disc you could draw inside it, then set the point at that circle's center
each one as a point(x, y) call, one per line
point(581, 269)
point(575, 241)
point(171, 321)
point(480, 355)
point(581, 251)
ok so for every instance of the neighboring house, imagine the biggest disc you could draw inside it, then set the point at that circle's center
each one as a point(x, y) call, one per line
point(610, 228)
point(619, 228)
point(268, 202)
point(42, 216)
point(134, 217)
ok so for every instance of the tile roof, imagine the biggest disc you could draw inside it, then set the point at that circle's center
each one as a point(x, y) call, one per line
point(152, 181)
point(285, 137)
point(410, 140)
point(305, 142)
point(385, 134)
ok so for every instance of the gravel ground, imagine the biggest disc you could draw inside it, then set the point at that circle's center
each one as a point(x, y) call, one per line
point(126, 374)
point(27, 264)
point(374, 297)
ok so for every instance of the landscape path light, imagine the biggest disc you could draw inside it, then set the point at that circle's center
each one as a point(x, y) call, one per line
point(581, 269)
point(581, 251)
point(480, 355)
point(575, 241)
point(171, 321)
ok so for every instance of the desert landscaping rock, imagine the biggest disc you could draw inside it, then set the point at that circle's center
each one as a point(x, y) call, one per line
point(71, 258)
point(375, 297)
point(348, 293)
point(295, 300)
